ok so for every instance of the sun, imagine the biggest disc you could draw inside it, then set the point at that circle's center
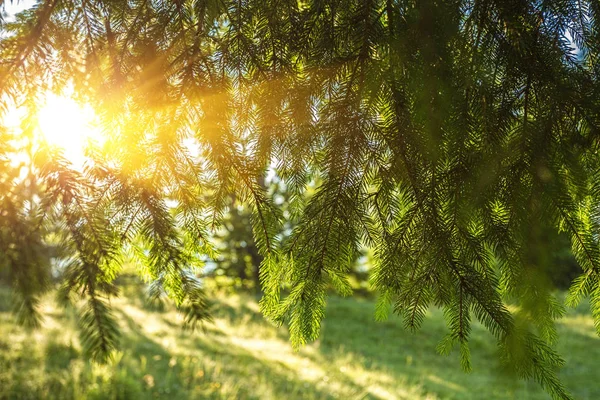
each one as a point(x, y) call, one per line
point(68, 125)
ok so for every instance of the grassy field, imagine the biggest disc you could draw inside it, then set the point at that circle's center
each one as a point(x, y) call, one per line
point(241, 355)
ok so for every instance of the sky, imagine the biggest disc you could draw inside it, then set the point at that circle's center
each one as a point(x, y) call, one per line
point(12, 8)
point(15, 6)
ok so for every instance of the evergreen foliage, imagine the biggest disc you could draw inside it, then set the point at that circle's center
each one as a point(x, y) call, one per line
point(448, 136)
point(239, 258)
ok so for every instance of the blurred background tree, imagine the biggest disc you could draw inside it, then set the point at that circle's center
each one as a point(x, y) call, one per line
point(239, 258)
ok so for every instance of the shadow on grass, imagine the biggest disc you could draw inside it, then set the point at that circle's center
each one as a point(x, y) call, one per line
point(411, 357)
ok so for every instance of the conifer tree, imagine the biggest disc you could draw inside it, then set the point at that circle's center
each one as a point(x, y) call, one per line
point(239, 258)
point(449, 136)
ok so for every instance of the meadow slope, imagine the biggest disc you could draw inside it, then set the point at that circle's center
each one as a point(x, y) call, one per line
point(242, 356)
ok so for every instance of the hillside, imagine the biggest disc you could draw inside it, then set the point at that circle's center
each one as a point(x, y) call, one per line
point(241, 355)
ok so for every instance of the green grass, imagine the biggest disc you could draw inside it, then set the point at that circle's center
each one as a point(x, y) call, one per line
point(241, 355)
